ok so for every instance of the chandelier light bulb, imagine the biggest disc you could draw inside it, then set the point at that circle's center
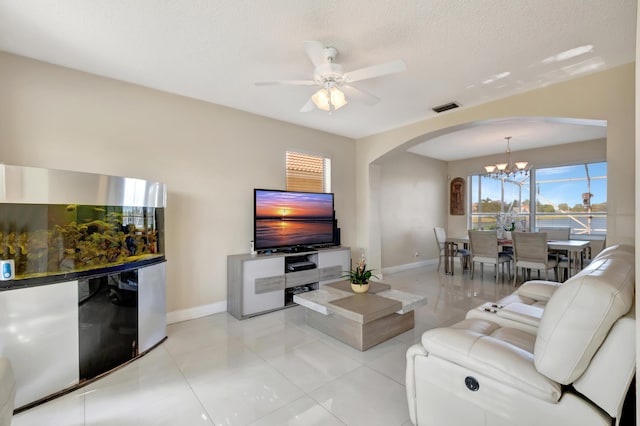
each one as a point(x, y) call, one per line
point(507, 169)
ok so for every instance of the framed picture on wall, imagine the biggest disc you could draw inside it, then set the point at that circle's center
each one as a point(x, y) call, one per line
point(456, 197)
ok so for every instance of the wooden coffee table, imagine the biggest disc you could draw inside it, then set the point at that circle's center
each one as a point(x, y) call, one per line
point(360, 320)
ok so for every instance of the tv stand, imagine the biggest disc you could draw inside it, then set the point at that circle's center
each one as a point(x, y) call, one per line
point(262, 283)
point(300, 249)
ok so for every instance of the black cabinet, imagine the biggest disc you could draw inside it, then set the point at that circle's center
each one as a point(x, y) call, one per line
point(108, 322)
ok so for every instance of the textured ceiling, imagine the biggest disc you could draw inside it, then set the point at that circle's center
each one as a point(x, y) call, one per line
point(465, 51)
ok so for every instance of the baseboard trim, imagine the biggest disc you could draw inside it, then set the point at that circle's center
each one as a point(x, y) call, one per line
point(407, 266)
point(219, 307)
point(196, 312)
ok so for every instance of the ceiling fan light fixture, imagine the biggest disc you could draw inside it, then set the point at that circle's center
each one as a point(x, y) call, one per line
point(331, 79)
point(321, 99)
point(329, 99)
point(337, 98)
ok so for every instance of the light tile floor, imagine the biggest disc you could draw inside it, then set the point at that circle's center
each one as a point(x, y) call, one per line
point(268, 370)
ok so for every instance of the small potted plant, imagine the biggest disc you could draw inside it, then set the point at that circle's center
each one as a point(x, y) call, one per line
point(360, 276)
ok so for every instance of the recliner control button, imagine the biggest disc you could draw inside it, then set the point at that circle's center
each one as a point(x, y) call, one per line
point(471, 383)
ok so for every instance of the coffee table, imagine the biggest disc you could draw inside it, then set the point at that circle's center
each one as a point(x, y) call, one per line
point(360, 320)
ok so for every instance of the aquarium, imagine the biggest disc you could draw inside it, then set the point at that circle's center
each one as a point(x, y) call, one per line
point(49, 239)
point(58, 224)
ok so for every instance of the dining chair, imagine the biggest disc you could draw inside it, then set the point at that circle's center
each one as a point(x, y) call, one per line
point(484, 249)
point(556, 233)
point(441, 238)
point(531, 252)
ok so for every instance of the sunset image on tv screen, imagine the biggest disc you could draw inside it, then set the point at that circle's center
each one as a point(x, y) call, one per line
point(292, 218)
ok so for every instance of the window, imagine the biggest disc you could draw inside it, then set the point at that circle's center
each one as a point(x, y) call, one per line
point(567, 196)
point(572, 196)
point(306, 172)
point(498, 199)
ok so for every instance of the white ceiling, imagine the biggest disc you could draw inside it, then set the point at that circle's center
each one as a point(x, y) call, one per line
point(469, 52)
point(488, 137)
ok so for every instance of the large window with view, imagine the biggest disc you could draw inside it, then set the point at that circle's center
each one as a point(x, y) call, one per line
point(572, 197)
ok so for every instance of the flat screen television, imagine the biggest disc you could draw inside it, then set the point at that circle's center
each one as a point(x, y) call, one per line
point(292, 219)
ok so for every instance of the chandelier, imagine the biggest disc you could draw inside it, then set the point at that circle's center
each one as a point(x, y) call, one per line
point(508, 169)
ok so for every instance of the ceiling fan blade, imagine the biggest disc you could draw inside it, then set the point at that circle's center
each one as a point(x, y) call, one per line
point(375, 71)
point(315, 51)
point(309, 106)
point(286, 83)
point(360, 95)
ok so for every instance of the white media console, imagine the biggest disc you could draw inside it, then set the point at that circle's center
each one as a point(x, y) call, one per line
point(261, 283)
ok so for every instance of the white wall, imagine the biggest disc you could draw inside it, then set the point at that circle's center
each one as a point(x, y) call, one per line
point(409, 186)
point(210, 157)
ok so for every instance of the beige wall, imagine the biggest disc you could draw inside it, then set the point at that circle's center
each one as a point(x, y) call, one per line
point(210, 157)
point(409, 186)
point(608, 95)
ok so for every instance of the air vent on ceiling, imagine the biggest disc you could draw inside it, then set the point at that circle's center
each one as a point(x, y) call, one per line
point(445, 107)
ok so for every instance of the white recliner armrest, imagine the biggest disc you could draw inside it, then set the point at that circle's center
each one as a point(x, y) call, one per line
point(502, 354)
point(538, 290)
point(410, 379)
point(522, 313)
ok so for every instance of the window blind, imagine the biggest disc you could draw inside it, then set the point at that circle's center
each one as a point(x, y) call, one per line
point(306, 172)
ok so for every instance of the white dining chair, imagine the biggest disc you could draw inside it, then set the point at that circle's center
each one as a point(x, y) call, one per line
point(441, 238)
point(531, 252)
point(484, 249)
point(556, 233)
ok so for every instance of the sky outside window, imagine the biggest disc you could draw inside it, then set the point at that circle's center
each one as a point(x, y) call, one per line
point(559, 185)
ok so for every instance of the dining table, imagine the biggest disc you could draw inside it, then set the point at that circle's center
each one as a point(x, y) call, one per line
point(575, 249)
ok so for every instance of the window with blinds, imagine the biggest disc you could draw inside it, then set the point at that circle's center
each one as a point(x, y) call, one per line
point(309, 173)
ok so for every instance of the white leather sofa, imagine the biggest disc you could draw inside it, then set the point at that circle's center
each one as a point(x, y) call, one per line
point(572, 367)
point(7, 392)
point(524, 307)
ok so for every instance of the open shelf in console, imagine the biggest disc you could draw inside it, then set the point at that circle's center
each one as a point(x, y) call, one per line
point(292, 291)
point(262, 283)
point(301, 270)
point(301, 275)
point(300, 262)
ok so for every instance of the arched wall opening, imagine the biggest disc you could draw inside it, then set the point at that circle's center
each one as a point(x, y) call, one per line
point(608, 96)
point(414, 188)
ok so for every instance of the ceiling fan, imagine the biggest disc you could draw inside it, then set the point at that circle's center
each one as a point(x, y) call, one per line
point(335, 84)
